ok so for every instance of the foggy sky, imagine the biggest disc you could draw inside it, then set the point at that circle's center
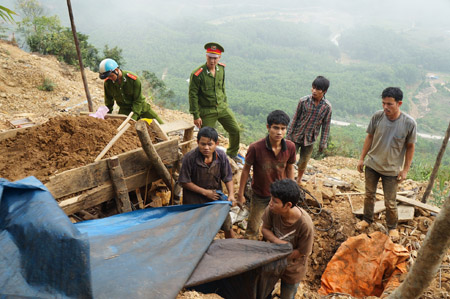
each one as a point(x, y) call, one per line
point(91, 14)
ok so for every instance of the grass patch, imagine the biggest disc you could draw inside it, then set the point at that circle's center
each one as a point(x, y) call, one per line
point(47, 85)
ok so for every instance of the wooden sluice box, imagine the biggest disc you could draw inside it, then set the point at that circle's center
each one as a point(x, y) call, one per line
point(81, 189)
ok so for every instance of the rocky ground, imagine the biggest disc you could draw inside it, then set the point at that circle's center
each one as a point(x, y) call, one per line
point(61, 140)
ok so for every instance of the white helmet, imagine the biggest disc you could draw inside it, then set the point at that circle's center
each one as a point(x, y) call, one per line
point(107, 66)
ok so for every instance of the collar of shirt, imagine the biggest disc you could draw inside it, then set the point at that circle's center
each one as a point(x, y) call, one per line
point(269, 146)
point(201, 159)
point(207, 70)
point(311, 99)
point(124, 79)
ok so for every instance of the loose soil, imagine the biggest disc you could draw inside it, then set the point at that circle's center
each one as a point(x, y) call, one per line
point(60, 144)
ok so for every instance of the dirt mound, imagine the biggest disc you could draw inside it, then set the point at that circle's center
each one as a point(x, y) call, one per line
point(60, 144)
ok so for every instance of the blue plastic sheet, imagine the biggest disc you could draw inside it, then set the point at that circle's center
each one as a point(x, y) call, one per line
point(42, 253)
point(142, 254)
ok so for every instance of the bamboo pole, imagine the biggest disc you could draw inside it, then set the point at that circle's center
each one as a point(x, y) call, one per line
point(125, 121)
point(111, 143)
point(437, 164)
point(80, 59)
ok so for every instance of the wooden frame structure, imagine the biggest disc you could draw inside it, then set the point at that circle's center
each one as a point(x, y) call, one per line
point(85, 187)
point(95, 183)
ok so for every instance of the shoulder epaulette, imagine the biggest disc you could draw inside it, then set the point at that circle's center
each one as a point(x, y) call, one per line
point(222, 64)
point(131, 76)
point(198, 72)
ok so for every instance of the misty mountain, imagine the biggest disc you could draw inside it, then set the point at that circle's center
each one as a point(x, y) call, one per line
point(274, 50)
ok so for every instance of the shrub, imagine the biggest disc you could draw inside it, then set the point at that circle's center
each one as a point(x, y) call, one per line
point(47, 85)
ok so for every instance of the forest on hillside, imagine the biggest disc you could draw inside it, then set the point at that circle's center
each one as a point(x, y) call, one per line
point(273, 51)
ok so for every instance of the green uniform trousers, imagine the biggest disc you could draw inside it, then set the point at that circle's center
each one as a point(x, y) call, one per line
point(145, 114)
point(226, 118)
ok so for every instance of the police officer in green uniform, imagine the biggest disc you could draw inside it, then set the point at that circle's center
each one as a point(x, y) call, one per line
point(124, 87)
point(208, 100)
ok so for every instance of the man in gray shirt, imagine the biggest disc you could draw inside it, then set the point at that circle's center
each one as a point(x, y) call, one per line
point(389, 147)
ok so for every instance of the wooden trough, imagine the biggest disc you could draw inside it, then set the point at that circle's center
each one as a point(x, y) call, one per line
point(117, 176)
point(114, 178)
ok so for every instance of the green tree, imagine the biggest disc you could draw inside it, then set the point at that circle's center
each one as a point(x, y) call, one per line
point(45, 35)
point(156, 88)
point(7, 14)
point(114, 53)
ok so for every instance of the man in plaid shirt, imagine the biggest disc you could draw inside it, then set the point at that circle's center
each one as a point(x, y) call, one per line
point(313, 111)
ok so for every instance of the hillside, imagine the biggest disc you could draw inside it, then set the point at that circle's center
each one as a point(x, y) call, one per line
point(21, 74)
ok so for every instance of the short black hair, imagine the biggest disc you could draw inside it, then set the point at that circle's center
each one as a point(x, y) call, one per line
point(286, 190)
point(278, 117)
point(209, 133)
point(392, 92)
point(321, 83)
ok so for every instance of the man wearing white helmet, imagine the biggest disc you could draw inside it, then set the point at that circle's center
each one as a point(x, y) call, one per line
point(125, 89)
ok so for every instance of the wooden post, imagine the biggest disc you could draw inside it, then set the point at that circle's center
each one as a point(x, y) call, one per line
point(149, 149)
point(120, 187)
point(437, 164)
point(429, 257)
point(80, 59)
point(139, 198)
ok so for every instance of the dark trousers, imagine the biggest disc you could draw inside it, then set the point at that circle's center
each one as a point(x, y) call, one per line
point(390, 184)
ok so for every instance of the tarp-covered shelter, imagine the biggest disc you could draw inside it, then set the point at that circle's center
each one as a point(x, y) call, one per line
point(151, 253)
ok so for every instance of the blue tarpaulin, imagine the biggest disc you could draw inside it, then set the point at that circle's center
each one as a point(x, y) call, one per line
point(142, 254)
point(149, 253)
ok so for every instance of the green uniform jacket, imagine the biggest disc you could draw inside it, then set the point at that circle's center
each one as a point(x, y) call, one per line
point(128, 96)
point(206, 91)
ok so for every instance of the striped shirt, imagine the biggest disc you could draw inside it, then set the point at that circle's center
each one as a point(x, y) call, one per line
point(307, 120)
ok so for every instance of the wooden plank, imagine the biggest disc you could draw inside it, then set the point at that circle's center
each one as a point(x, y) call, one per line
point(21, 123)
point(11, 133)
point(139, 198)
point(109, 115)
point(96, 174)
point(156, 128)
point(188, 135)
point(379, 207)
point(104, 193)
point(176, 126)
point(405, 212)
point(379, 191)
point(417, 203)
